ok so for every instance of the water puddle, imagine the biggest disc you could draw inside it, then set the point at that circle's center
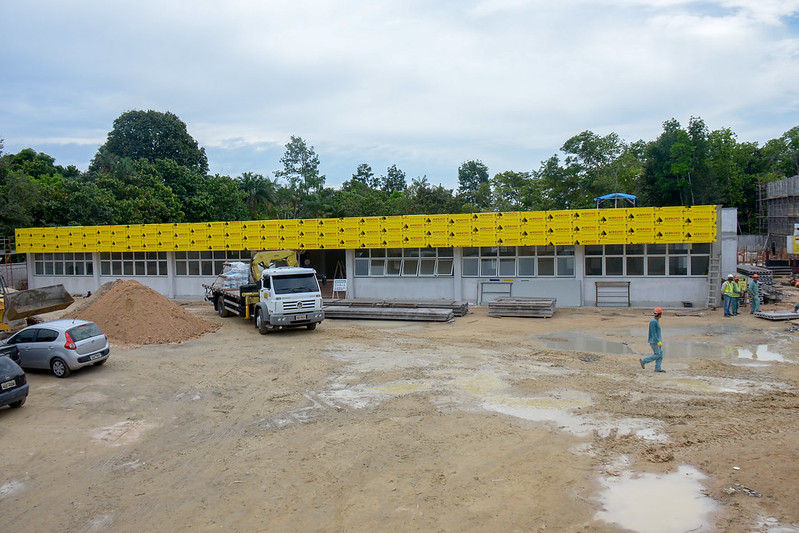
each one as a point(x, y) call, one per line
point(656, 503)
point(676, 348)
point(761, 353)
point(567, 340)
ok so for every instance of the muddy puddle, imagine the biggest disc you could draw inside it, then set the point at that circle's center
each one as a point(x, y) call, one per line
point(656, 503)
point(782, 349)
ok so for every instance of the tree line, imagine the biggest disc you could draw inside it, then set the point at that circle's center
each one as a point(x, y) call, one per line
point(150, 170)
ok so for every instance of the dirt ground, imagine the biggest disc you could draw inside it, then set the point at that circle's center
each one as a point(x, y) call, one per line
point(482, 424)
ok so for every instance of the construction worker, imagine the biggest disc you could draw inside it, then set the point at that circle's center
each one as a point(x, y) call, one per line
point(754, 295)
point(727, 290)
point(736, 295)
point(796, 307)
point(742, 289)
point(655, 341)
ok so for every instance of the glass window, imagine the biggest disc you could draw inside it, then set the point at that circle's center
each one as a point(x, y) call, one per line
point(678, 265)
point(635, 266)
point(700, 265)
point(393, 267)
point(614, 266)
point(527, 266)
point(376, 267)
point(488, 267)
point(593, 249)
point(444, 267)
point(593, 266)
point(471, 266)
point(427, 267)
point(507, 267)
point(656, 266)
point(565, 266)
point(410, 267)
point(66, 264)
point(546, 266)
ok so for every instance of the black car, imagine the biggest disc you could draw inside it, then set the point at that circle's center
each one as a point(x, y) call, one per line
point(13, 385)
point(10, 351)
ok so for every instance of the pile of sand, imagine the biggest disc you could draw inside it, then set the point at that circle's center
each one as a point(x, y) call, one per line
point(131, 313)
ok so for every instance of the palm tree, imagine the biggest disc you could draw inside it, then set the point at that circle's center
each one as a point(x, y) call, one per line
point(261, 193)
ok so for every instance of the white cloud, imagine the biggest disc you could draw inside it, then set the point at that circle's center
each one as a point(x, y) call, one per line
point(425, 86)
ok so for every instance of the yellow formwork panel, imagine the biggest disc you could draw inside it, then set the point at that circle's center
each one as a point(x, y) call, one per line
point(666, 215)
point(391, 223)
point(692, 235)
point(609, 216)
point(559, 215)
point(437, 237)
point(585, 216)
point(411, 224)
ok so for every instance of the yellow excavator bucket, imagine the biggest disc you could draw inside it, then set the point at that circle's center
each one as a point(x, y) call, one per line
point(23, 304)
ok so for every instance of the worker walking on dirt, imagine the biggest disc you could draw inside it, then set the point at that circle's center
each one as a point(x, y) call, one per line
point(728, 288)
point(655, 341)
point(754, 295)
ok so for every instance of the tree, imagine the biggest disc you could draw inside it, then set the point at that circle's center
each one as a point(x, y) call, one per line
point(152, 135)
point(512, 191)
point(471, 175)
point(304, 183)
point(365, 175)
point(782, 154)
point(394, 180)
point(260, 193)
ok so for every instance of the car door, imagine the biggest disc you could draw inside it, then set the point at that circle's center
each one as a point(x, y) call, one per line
point(26, 343)
point(45, 346)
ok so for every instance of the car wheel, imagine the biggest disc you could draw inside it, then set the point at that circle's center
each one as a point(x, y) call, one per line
point(18, 403)
point(220, 308)
point(98, 363)
point(312, 326)
point(59, 368)
point(260, 322)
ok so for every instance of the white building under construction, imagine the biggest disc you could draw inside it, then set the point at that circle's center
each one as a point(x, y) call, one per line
point(619, 257)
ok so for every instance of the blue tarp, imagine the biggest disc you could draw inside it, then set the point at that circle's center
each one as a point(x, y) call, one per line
point(615, 197)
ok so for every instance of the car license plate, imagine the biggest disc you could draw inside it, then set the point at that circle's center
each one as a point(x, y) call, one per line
point(301, 317)
point(96, 356)
point(8, 384)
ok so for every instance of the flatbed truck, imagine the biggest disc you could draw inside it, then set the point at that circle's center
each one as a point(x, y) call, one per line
point(282, 297)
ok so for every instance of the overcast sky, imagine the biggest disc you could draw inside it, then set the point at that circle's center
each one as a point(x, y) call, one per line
point(420, 84)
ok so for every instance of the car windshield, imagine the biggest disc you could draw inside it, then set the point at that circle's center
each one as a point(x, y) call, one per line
point(295, 283)
point(84, 331)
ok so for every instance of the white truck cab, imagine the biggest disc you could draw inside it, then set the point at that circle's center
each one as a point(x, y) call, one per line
point(288, 297)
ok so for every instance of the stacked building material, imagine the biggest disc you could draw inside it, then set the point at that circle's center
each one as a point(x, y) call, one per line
point(457, 308)
point(525, 307)
point(764, 275)
point(786, 314)
point(425, 314)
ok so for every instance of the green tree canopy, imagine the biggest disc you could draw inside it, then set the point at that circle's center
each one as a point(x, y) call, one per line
point(151, 135)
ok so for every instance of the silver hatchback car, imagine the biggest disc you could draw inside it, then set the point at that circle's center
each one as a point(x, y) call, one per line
point(61, 345)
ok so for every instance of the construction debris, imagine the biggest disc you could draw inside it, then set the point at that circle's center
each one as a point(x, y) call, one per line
point(524, 307)
point(426, 314)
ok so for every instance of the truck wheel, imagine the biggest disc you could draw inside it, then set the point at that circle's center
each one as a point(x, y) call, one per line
point(312, 326)
point(260, 322)
point(220, 307)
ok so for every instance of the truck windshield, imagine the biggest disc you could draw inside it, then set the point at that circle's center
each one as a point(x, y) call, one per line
point(294, 283)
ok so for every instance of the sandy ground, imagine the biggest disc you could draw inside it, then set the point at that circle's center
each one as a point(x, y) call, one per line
point(482, 424)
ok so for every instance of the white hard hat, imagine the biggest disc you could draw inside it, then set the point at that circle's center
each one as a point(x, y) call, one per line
point(730, 276)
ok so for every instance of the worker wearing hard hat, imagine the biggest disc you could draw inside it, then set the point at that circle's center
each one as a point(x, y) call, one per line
point(754, 295)
point(737, 295)
point(728, 288)
point(655, 341)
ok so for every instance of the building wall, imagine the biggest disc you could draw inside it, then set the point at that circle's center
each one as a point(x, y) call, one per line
point(571, 291)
